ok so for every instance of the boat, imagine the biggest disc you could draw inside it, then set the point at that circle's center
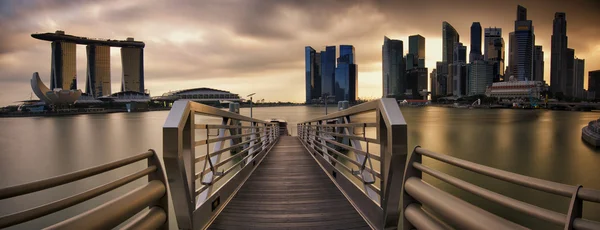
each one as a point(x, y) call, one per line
point(591, 133)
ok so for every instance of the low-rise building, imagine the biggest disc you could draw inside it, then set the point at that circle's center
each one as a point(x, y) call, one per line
point(516, 89)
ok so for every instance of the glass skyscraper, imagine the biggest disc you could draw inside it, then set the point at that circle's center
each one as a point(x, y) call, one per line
point(475, 53)
point(346, 77)
point(328, 70)
point(313, 74)
point(538, 64)
point(558, 54)
point(416, 52)
point(494, 52)
point(394, 80)
point(525, 41)
point(449, 37)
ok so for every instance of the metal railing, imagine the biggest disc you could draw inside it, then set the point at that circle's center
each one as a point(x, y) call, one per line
point(230, 147)
point(152, 195)
point(459, 213)
point(364, 155)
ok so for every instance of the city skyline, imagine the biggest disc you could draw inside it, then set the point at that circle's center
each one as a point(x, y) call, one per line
point(186, 50)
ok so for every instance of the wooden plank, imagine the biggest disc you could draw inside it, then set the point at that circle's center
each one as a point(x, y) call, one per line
point(289, 190)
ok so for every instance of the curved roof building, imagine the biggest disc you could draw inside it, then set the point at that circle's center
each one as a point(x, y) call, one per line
point(56, 96)
point(199, 94)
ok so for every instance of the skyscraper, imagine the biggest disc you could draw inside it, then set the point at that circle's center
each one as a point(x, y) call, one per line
point(442, 70)
point(578, 72)
point(64, 66)
point(132, 60)
point(98, 70)
point(570, 57)
point(313, 74)
point(416, 81)
point(525, 41)
point(475, 53)
point(459, 70)
point(328, 70)
point(594, 83)
point(346, 75)
point(394, 81)
point(416, 47)
point(512, 57)
point(449, 37)
point(538, 64)
point(494, 52)
point(480, 77)
point(434, 82)
point(558, 54)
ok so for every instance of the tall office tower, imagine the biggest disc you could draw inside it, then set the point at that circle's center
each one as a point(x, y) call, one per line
point(442, 77)
point(64, 66)
point(558, 54)
point(449, 37)
point(434, 82)
point(538, 64)
point(512, 57)
point(459, 69)
point(98, 70)
point(578, 72)
point(312, 73)
point(394, 80)
point(416, 48)
point(475, 53)
point(346, 75)
point(570, 57)
point(525, 41)
point(328, 71)
point(416, 79)
point(132, 59)
point(594, 84)
point(494, 51)
point(480, 77)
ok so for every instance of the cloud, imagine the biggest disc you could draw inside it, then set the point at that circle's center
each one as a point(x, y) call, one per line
point(241, 45)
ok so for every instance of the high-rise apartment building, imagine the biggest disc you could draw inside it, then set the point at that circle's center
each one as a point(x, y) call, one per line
point(494, 52)
point(558, 54)
point(98, 70)
point(538, 64)
point(63, 68)
point(475, 52)
point(525, 41)
point(393, 68)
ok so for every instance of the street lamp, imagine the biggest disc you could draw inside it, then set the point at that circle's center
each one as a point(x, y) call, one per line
point(326, 97)
point(250, 95)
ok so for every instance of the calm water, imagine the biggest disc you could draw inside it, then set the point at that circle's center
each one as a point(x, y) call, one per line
point(544, 144)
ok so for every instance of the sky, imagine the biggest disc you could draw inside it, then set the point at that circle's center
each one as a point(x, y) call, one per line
point(257, 46)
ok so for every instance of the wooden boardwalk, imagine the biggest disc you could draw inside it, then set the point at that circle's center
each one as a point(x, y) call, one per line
point(289, 191)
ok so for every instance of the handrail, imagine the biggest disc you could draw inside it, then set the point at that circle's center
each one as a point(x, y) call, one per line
point(232, 152)
point(376, 193)
point(156, 178)
point(411, 196)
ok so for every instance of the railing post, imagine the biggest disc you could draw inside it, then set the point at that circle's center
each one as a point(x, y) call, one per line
point(159, 175)
point(575, 209)
point(178, 156)
point(392, 133)
point(409, 172)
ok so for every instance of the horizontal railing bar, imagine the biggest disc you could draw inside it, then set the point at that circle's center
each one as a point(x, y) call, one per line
point(344, 125)
point(204, 142)
point(114, 212)
point(531, 182)
point(354, 110)
point(30, 214)
point(201, 158)
point(151, 219)
point(532, 210)
point(67, 178)
point(587, 194)
point(220, 163)
point(210, 126)
point(372, 186)
point(371, 155)
point(421, 220)
point(585, 224)
point(377, 174)
point(459, 213)
point(198, 108)
point(201, 189)
point(366, 139)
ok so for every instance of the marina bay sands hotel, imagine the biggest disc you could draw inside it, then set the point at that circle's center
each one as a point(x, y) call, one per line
point(63, 67)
